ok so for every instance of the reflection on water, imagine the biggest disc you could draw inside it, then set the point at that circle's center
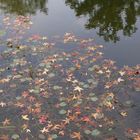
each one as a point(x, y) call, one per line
point(107, 22)
point(23, 7)
point(109, 17)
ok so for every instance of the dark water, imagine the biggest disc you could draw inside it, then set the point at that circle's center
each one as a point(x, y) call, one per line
point(114, 24)
point(38, 83)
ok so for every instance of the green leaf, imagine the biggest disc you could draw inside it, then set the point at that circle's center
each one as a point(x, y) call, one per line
point(87, 132)
point(41, 136)
point(62, 112)
point(42, 64)
point(62, 104)
point(15, 136)
point(2, 32)
point(56, 87)
point(85, 86)
point(94, 99)
point(54, 136)
point(51, 75)
point(92, 94)
point(95, 132)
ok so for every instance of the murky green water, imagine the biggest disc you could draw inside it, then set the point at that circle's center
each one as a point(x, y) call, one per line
point(58, 78)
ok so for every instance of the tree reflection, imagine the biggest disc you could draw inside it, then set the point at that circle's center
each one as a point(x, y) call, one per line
point(108, 16)
point(23, 7)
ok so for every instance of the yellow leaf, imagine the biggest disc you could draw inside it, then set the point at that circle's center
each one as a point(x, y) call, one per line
point(76, 135)
point(25, 117)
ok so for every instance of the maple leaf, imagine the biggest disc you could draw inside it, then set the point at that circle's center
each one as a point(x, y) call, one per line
point(77, 88)
point(6, 122)
point(6, 80)
point(24, 126)
point(56, 127)
point(1, 91)
point(42, 119)
point(37, 104)
point(2, 104)
point(75, 81)
point(97, 115)
point(31, 99)
point(49, 125)
point(85, 119)
point(122, 73)
point(45, 71)
point(123, 113)
point(91, 48)
point(137, 138)
point(75, 97)
point(25, 117)
point(69, 79)
point(66, 121)
point(50, 138)
point(37, 110)
point(4, 137)
point(120, 79)
point(109, 104)
point(76, 135)
point(62, 133)
point(72, 117)
point(18, 104)
point(44, 130)
point(78, 66)
point(100, 72)
point(28, 130)
point(25, 94)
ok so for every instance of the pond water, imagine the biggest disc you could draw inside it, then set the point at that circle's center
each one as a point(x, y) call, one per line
point(63, 69)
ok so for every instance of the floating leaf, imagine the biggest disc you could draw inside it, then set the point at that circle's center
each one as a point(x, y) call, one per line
point(72, 69)
point(18, 97)
point(90, 69)
point(94, 99)
point(92, 94)
point(95, 132)
point(48, 65)
point(36, 91)
point(86, 86)
point(90, 80)
point(41, 136)
point(129, 103)
point(62, 99)
point(2, 32)
point(51, 75)
point(54, 136)
point(62, 112)
point(15, 136)
point(56, 87)
point(109, 129)
point(42, 64)
point(87, 132)
point(62, 104)
point(25, 117)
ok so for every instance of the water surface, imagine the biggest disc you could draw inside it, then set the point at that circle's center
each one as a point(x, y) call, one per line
point(114, 24)
point(68, 90)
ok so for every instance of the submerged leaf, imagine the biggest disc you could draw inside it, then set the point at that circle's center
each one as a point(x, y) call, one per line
point(62, 112)
point(95, 132)
point(15, 136)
